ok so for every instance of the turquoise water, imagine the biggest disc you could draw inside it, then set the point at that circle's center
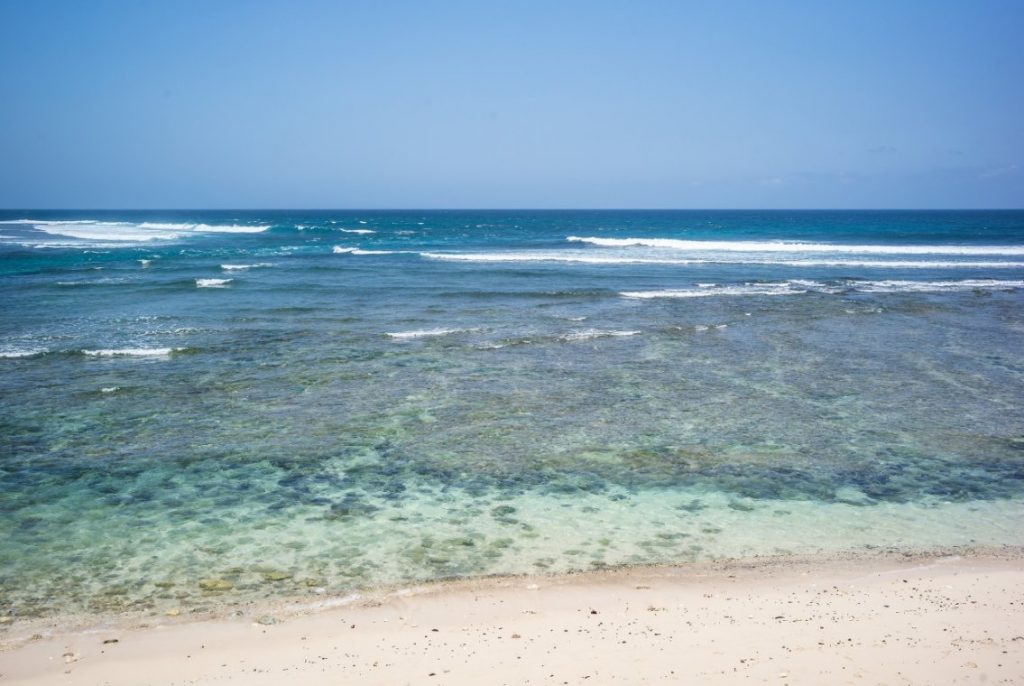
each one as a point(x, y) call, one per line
point(205, 407)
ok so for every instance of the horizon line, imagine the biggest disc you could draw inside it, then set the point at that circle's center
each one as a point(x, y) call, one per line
point(511, 209)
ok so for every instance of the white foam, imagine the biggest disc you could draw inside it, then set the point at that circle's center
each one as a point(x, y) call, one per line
point(108, 231)
point(798, 286)
point(13, 354)
point(243, 267)
point(622, 258)
point(44, 222)
point(96, 230)
point(52, 245)
point(540, 256)
point(213, 283)
point(935, 286)
point(110, 389)
point(595, 333)
point(339, 250)
point(234, 228)
point(425, 333)
point(202, 228)
point(145, 263)
point(705, 290)
point(132, 352)
point(107, 280)
point(799, 247)
point(359, 231)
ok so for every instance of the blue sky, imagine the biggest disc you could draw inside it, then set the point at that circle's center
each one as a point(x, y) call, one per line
point(512, 104)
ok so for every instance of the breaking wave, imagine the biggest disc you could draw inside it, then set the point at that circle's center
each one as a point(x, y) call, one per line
point(797, 287)
point(798, 246)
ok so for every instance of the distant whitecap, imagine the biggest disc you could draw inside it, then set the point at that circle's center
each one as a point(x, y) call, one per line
point(798, 246)
point(425, 333)
point(15, 354)
point(597, 333)
point(244, 267)
point(213, 283)
point(132, 352)
point(800, 286)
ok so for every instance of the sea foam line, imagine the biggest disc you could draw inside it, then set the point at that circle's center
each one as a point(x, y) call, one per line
point(213, 283)
point(101, 352)
point(105, 281)
point(48, 222)
point(243, 267)
point(894, 286)
point(800, 247)
point(547, 257)
point(583, 258)
point(705, 291)
point(205, 228)
point(425, 333)
point(340, 250)
point(16, 354)
point(589, 334)
point(132, 352)
point(92, 229)
point(797, 287)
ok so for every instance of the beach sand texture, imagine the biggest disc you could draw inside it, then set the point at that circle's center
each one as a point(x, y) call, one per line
point(887, 620)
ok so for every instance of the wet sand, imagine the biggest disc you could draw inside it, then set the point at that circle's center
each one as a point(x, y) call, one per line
point(890, 619)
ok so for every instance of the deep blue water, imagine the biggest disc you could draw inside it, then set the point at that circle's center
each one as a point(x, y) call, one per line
point(303, 402)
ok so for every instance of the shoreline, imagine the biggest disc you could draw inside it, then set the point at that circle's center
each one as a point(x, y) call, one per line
point(15, 631)
point(668, 610)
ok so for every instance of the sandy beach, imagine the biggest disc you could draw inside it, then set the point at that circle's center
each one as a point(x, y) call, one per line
point(894, 619)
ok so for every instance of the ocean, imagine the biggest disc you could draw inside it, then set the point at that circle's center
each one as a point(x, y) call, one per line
point(200, 408)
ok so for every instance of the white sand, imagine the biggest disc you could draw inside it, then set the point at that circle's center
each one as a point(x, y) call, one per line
point(923, 620)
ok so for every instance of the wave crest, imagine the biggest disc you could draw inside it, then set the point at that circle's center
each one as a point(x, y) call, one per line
point(132, 352)
point(797, 246)
point(798, 286)
point(244, 267)
point(424, 333)
point(130, 232)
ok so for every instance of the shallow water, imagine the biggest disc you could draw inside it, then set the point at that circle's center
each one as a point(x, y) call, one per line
point(284, 403)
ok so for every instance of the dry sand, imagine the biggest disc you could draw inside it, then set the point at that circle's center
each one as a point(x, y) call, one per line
point(889, 620)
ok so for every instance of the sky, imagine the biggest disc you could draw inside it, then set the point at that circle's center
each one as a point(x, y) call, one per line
point(524, 104)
